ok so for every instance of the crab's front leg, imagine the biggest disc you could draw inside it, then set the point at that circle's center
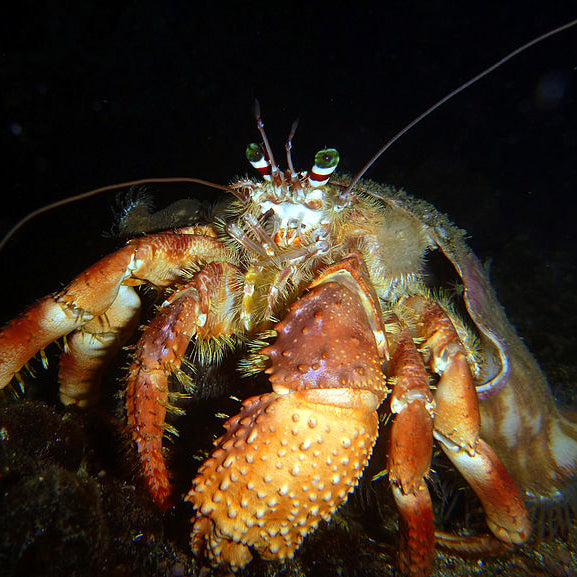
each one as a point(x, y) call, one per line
point(204, 307)
point(291, 457)
point(99, 308)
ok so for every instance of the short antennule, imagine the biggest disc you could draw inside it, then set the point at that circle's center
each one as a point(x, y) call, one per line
point(267, 149)
point(288, 147)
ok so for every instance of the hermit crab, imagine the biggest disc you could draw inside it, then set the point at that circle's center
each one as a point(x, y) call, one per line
point(327, 284)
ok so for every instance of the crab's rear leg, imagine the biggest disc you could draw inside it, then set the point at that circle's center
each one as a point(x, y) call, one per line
point(291, 457)
point(156, 259)
point(204, 307)
point(457, 426)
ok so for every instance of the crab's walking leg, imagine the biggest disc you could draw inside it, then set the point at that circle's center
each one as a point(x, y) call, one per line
point(457, 425)
point(410, 450)
point(157, 259)
point(291, 457)
point(203, 307)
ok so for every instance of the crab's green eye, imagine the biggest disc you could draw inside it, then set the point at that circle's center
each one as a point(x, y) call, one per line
point(254, 152)
point(326, 161)
point(257, 157)
point(327, 158)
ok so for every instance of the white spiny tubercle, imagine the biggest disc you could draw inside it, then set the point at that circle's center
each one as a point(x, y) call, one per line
point(441, 362)
point(399, 404)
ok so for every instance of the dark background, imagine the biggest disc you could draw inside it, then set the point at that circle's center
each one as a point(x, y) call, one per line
point(93, 95)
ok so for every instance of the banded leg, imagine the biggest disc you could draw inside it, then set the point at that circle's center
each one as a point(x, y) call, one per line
point(157, 259)
point(90, 349)
point(457, 426)
point(204, 308)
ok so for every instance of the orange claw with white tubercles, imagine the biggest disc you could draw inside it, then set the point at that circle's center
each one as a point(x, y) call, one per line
point(291, 457)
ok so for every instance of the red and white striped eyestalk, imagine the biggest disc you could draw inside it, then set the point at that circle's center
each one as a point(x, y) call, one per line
point(326, 161)
point(256, 156)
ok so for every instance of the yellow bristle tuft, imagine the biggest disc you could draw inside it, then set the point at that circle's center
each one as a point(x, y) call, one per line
point(392, 381)
point(392, 328)
point(385, 418)
point(29, 369)
point(43, 358)
point(380, 475)
point(20, 380)
point(178, 396)
point(173, 409)
point(252, 364)
point(169, 431)
point(211, 351)
point(184, 380)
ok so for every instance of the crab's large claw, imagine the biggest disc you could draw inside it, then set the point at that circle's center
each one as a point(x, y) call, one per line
point(291, 457)
point(99, 309)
